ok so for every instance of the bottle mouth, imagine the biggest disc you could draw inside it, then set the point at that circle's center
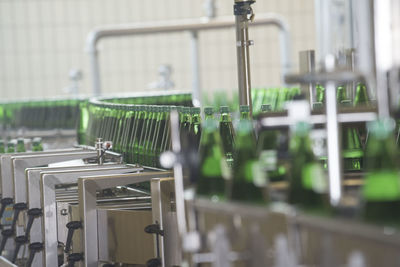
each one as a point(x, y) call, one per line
point(382, 128)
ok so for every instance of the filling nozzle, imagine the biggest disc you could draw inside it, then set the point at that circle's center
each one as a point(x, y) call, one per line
point(243, 13)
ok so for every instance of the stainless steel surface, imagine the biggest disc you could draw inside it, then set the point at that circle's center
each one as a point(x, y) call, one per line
point(88, 210)
point(164, 214)
point(48, 203)
point(383, 53)
point(307, 65)
point(333, 139)
point(335, 76)
point(282, 121)
point(243, 59)
point(121, 236)
point(7, 184)
point(308, 240)
point(178, 174)
point(195, 61)
point(34, 198)
point(99, 150)
point(6, 263)
point(191, 25)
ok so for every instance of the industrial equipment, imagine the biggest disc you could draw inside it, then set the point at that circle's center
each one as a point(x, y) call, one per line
point(301, 176)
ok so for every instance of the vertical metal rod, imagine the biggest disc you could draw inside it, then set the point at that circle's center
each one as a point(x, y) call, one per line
point(307, 65)
point(178, 174)
point(334, 160)
point(94, 63)
point(243, 60)
point(332, 127)
point(196, 97)
point(383, 53)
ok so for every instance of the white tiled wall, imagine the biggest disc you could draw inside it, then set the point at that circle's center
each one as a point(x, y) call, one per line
point(41, 40)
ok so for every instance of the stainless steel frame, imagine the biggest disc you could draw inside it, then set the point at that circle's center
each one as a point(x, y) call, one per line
point(6, 168)
point(48, 182)
point(34, 198)
point(87, 205)
point(194, 26)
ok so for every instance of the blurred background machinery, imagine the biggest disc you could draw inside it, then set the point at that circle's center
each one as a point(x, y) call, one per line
point(139, 160)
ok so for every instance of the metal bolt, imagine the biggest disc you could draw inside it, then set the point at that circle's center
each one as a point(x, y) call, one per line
point(64, 212)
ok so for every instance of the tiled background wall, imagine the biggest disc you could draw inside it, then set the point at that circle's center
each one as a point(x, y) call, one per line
point(41, 40)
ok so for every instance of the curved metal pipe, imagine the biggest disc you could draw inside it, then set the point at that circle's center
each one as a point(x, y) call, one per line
point(190, 25)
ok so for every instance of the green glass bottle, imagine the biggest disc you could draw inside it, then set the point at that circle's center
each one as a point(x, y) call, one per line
point(143, 134)
point(341, 94)
point(166, 140)
point(361, 98)
point(126, 140)
point(267, 152)
point(248, 179)
point(21, 145)
point(37, 144)
point(351, 146)
point(141, 118)
point(244, 112)
point(186, 118)
point(195, 126)
point(154, 117)
point(156, 149)
point(209, 113)
point(307, 179)
point(381, 190)
point(2, 147)
point(282, 98)
point(10, 147)
point(320, 93)
point(227, 134)
point(213, 166)
point(83, 123)
point(120, 123)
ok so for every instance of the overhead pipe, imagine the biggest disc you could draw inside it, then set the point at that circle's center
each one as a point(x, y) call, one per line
point(191, 25)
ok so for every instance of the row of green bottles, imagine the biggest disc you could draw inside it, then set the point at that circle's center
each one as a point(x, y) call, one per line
point(19, 145)
point(41, 114)
point(308, 181)
point(162, 98)
point(353, 137)
point(275, 97)
point(139, 132)
point(216, 178)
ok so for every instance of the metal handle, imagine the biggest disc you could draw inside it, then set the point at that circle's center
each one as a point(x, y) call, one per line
point(72, 226)
point(155, 229)
point(74, 257)
point(32, 214)
point(6, 234)
point(33, 249)
point(19, 241)
point(18, 207)
point(155, 262)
